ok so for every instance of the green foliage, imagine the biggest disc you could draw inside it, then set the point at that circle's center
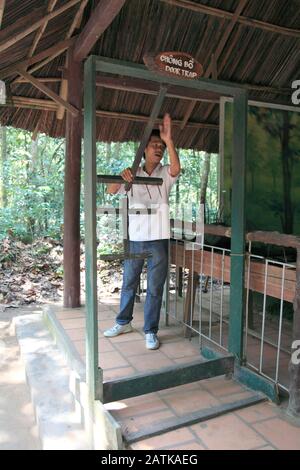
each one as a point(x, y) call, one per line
point(33, 179)
point(33, 175)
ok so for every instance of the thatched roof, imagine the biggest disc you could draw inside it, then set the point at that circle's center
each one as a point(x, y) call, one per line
point(258, 55)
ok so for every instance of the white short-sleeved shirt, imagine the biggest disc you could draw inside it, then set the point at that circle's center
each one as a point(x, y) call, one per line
point(155, 226)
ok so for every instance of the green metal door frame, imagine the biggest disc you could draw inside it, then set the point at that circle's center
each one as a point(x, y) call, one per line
point(96, 64)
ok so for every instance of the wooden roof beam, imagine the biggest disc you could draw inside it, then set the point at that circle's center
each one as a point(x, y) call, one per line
point(51, 94)
point(2, 6)
point(140, 86)
point(63, 92)
point(145, 119)
point(48, 105)
point(40, 79)
point(40, 32)
point(100, 19)
point(217, 12)
point(6, 43)
point(137, 85)
point(56, 49)
point(213, 64)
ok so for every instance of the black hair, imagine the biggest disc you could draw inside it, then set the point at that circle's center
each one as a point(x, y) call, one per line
point(154, 133)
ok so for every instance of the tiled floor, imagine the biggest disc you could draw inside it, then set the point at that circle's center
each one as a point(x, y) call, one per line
point(263, 426)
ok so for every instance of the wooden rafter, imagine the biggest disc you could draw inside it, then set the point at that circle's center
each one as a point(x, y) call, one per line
point(145, 119)
point(213, 64)
point(40, 79)
point(56, 49)
point(41, 30)
point(2, 6)
point(217, 12)
point(48, 105)
point(63, 92)
point(34, 26)
point(40, 86)
point(138, 86)
point(100, 19)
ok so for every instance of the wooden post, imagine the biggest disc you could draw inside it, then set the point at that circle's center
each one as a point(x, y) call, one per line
point(72, 188)
point(294, 366)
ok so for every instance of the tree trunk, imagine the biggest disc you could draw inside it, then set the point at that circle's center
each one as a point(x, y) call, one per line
point(288, 212)
point(204, 181)
point(3, 195)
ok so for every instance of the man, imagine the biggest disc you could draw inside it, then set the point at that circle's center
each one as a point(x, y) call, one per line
point(148, 233)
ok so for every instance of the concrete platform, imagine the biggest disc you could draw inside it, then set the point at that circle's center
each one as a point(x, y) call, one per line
point(257, 427)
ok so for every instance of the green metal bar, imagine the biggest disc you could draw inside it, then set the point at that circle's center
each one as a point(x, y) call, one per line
point(171, 424)
point(166, 378)
point(125, 255)
point(166, 293)
point(93, 374)
point(137, 180)
point(140, 151)
point(257, 382)
point(235, 340)
point(107, 65)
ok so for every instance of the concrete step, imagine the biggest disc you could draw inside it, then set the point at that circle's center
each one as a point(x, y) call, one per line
point(59, 419)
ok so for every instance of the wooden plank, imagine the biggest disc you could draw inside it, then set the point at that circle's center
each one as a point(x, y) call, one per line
point(2, 6)
point(274, 238)
point(192, 418)
point(35, 25)
point(56, 49)
point(192, 260)
point(166, 378)
point(40, 86)
point(217, 54)
point(217, 12)
point(99, 21)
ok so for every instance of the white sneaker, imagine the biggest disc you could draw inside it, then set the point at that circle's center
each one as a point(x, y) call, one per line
point(117, 330)
point(151, 341)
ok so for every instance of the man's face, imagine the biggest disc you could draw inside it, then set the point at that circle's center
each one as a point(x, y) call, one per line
point(155, 149)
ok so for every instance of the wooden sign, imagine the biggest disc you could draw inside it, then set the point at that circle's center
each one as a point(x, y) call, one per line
point(174, 64)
